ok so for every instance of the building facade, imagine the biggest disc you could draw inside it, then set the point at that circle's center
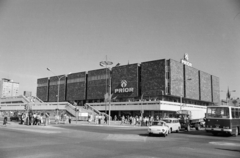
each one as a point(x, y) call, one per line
point(8, 88)
point(164, 79)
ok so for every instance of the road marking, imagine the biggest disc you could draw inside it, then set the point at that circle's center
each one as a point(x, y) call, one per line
point(225, 143)
point(124, 137)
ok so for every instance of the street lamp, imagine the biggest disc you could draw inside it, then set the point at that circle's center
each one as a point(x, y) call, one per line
point(182, 91)
point(141, 109)
point(59, 79)
point(106, 64)
point(109, 96)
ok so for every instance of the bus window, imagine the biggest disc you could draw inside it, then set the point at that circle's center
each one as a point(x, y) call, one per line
point(233, 113)
point(217, 112)
point(238, 113)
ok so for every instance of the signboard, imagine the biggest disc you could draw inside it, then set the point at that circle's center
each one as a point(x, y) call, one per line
point(83, 114)
point(185, 60)
point(124, 88)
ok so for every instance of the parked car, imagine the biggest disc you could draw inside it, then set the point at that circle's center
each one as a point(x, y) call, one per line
point(158, 127)
point(173, 123)
point(14, 118)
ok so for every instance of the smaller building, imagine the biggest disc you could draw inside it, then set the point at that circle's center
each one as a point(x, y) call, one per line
point(8, 88)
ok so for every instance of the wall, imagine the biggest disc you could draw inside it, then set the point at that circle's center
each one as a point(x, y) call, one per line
point(215, 90)
point(191, 83)
point(53, 88)
point(128, 73)
point(205, 86)
point(153, 78)
point(76, 86)
point(176, 78)
point(42, 89)
point(96, 84)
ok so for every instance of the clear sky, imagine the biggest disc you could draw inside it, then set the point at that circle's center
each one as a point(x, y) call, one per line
point(75, 35)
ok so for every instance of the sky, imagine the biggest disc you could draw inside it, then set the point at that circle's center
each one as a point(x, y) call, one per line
point(75, 35)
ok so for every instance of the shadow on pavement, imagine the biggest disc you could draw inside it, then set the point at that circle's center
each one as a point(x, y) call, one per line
point(229, 149)
point(202, 132)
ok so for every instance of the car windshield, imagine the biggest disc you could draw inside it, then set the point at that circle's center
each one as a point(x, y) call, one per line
point(157, 124)
point(217, 112)
point(168, 121)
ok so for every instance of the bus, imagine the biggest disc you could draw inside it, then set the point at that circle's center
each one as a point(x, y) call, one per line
point(223, 119)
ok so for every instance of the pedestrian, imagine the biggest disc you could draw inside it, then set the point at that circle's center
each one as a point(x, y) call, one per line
point(69, 119)
point(46, 119)
point(105, 119)
point(89, 117)
point(5, 121)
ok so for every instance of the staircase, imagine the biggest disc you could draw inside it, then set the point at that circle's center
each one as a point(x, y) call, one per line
point(95, 111)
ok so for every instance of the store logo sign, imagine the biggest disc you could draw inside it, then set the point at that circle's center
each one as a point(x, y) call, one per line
point(185, 60)
point(124, 88)
point(123, 83)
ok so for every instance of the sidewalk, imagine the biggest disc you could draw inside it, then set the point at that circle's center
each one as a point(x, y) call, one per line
point(73, 123)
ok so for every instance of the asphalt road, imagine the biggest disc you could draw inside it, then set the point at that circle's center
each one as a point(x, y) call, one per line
point(93, 141)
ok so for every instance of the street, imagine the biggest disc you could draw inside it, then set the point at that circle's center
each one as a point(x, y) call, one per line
point(89, 141)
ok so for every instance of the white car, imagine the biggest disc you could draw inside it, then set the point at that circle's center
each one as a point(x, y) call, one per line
point(173, 123)
point(158, 127)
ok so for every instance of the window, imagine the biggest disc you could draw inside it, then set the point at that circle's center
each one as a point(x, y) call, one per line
point(233, 113)
point(218, 112)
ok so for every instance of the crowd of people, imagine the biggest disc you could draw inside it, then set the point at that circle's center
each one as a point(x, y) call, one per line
point(137, 120)
point(29, 118)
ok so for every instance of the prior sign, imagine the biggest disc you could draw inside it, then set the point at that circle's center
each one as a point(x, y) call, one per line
point(185, 60)
point(123, 89)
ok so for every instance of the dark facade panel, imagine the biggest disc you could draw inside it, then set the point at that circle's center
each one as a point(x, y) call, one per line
point(215, 90)
point(153, 78)
point(176, 78)
point(53, 88)
point(97, 83)
point(76, 86)
point(191, 83)
point(125, 81)
point(205, 86)
point(42, 88)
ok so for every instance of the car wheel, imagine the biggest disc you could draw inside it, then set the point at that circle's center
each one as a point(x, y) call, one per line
point(149, 134)
point(236, 132)
point(177, 130)
point(170, 131)
point(215, 133)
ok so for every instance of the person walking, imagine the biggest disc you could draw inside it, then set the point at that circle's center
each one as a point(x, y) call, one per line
point(69, 119)
point(5, 121)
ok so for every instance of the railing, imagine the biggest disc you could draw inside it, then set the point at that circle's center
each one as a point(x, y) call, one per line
point(95, 110)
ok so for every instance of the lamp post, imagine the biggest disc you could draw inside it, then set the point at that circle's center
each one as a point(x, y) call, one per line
point(106, 64)
point(59, 79)
point(141, 109)
point(162, 95)
point(182, 91)
point(109, 96)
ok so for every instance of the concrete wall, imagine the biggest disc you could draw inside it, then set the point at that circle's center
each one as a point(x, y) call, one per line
point(191, 83)
point(76, 86)
point(205, 86)
point(53, 89)
point(176, 78)
point(153, 78)
point(42, 89)
point(215, 90)
point(130, 74)
point(96, 84)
